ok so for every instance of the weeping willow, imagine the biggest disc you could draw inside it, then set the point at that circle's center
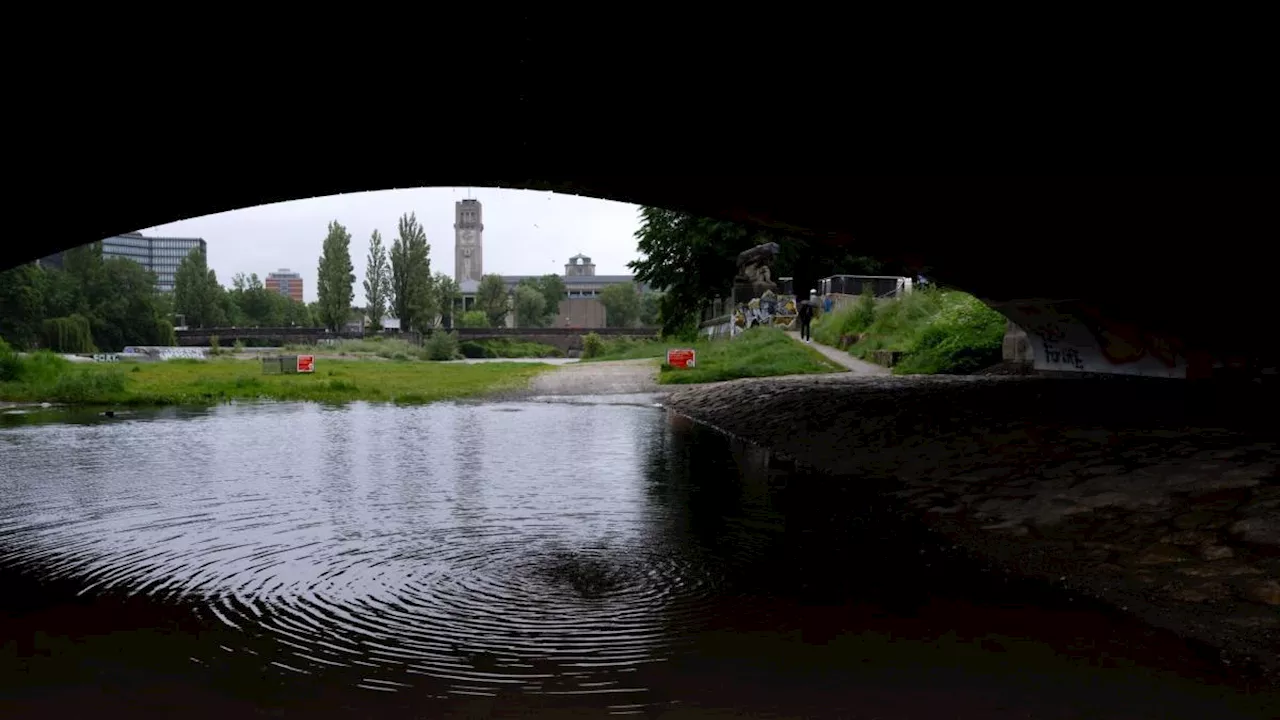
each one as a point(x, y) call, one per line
point(68, 334)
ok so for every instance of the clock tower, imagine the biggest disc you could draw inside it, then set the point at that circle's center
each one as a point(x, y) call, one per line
point(468, 241)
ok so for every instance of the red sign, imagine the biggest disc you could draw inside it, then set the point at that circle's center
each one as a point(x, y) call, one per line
point(306, 363)
point(680, 358)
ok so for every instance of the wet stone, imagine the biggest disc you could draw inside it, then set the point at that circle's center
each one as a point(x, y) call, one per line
point(1189, 538)
point(1216, 552)
point(1262, 530)
point(1160, 554)
point(1205, 592)
point(1194, 519)
point(1264, 591)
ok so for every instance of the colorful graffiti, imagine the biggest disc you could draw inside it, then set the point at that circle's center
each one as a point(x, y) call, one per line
point(1071, 336)
point(768, 309)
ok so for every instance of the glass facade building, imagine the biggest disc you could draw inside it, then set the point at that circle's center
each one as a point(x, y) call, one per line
point(160, 255)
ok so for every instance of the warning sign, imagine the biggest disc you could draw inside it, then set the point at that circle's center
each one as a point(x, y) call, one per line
point(680, 358)
point(306, 363)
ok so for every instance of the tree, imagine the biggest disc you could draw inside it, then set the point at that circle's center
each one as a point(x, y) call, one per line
point(196, 292)
point(23, 299)
point(692, 260)
point(448, 294)
point(553, 291)
point(377, 281)
point(411, 274)
point(473, 319)
point(621, 305)
point(530, 307)
point(334, 279)
point(650, 308)
point(491, 297)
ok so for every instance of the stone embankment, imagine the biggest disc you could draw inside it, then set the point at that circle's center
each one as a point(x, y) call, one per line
point(1124, 490)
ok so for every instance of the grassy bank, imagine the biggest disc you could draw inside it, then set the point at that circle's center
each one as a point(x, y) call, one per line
point(47, 378)
point(759, 352)
point(937, 331)
point(507, 348)
point(596, 348)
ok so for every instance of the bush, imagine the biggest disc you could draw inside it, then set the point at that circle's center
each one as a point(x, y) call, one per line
point(238, 347)
point(10, 362)
point(474, 350)
point(473, 319)
point(441, 346)
point(213, 345)
point(592, 346)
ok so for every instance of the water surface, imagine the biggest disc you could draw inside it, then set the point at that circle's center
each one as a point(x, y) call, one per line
point(592, 555)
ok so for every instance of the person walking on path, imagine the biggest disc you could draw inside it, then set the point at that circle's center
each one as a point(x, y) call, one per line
point(806, 319)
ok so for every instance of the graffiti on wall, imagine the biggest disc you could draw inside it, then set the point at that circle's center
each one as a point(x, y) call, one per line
point(768, 309)
point(164, 353)
point(1077, 338)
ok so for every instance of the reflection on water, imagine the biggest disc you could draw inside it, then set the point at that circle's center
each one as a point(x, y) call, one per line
point(596, 556)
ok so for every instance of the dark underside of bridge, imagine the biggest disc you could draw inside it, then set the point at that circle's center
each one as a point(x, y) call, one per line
point(1182, 256)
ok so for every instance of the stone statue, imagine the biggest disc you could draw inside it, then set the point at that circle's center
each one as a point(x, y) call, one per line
point(754, 264)
point(754, 277)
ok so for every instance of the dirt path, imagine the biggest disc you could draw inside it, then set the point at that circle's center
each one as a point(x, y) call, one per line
point(619, 377)
point(855, 366)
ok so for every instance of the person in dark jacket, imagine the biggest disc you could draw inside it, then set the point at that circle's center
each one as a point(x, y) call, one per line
point(806, 318)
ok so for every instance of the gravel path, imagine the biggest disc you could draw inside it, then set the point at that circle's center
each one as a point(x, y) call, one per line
point(619, 377)
point(839, 357)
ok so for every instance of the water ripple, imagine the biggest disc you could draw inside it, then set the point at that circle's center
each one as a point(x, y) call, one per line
point(485, 571)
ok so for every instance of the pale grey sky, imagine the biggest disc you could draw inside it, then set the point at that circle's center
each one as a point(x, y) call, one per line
point(525, 232)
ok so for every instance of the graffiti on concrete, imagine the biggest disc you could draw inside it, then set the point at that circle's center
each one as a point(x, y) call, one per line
point(106, 357)
point(1070, 337)
point(768, 309)
point(164, 352)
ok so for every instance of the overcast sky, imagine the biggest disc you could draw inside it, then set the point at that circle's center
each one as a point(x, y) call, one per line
point(525, 232)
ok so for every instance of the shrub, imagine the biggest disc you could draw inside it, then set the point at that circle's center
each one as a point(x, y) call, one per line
point(473, 349)
point(10, 362)
point(592, 346)
point(238, 347)
point(213, 345)
point(441, 346)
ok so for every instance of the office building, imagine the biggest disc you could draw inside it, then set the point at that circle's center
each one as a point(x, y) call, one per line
point(286, 282)
point(160, 255)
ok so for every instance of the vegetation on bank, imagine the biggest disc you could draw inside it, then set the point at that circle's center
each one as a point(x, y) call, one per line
point(45, 377)
point(507, 348)
point(758, 352)
point(596, 348)
point(937, 331)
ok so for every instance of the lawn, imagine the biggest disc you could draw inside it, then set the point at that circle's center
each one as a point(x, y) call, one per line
point(47, 378)
point(759, 352)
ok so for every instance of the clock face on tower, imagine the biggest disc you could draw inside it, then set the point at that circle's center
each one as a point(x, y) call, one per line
point(468, 237)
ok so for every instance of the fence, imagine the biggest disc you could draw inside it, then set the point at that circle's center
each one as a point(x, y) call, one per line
point(883, 286)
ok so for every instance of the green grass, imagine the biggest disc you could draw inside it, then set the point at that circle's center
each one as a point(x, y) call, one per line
point(938, 331)
point(47, 378)
point(507, 348)
point(632, 348)
point(759, 352)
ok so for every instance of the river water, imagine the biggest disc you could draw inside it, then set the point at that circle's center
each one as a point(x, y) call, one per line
point(495, 559)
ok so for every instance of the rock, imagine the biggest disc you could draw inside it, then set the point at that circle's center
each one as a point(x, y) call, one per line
point(1218, 570)
point(1263, 530)
point(1160, 554)
point(1194, 519)
point(1264, 591)
point(1014, 527)
point(1199, 593)
point(1216, 552)
point(1189, 537)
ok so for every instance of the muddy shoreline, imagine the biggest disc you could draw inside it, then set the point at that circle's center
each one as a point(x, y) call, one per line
point(1131, 493)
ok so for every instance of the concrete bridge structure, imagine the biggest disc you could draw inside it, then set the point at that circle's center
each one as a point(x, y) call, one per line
point(1140, 275)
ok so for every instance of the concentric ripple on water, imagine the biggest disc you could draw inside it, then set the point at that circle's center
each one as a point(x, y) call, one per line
point(462, 546)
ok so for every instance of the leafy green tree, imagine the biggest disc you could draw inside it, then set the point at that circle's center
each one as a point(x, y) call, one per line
point(650, 308)
point(24, 295)
point(411, 274)
point(621, 305)
point(693, 260)
point(530, 307)
point(473, 319)
point(448, 295)
point(491, 297)
point(334, 280)
point(123, 309)
point(377, 281)
point(553, 291)
point(197, 294)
